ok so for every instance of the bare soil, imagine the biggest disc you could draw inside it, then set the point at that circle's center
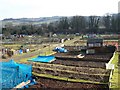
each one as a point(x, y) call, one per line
point(79, 63)
point(70, 75)
point(44, 83)
point(75, 69)
point(95, 58)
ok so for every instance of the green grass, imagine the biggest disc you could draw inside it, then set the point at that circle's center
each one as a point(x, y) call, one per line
point(71, 42)
point(115, 60)
point(11, 45)
point(115, 77)
point(66, 79)
point(25, 59)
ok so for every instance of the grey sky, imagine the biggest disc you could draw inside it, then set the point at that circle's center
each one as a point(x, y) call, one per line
point(43, 8)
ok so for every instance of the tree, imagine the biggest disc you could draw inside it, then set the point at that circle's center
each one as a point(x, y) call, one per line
point(107, 22)
point(78, 23)
point(115, 22)
point(8, 29)
point(63, 25)
point(93, 23)
point(51, 27)
point(118, 24)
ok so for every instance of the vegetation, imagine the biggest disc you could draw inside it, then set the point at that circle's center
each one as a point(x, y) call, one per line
point(115, 78)
point(68, 25)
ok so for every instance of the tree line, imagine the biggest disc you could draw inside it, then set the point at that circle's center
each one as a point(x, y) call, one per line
point(69, 25)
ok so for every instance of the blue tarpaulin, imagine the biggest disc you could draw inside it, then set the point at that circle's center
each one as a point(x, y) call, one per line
point(43, 59)
point(60, 49)
point(20, 51)
point(14, 73)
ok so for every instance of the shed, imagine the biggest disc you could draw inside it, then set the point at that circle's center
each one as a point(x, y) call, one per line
point(94, 42)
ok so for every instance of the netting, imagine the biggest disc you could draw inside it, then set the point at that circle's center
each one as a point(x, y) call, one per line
point(14, 73)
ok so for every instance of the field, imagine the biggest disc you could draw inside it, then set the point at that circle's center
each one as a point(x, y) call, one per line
point(80, 76)
point(67, 71)
point(90, 72)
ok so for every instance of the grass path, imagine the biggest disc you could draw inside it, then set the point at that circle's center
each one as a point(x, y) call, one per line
point(115, 83)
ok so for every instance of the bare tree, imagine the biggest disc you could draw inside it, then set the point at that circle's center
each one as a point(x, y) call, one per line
point(93, 23)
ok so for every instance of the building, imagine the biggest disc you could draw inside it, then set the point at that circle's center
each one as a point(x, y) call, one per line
point(94, 42)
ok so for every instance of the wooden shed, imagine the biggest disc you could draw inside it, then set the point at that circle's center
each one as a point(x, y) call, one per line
point(94, 42)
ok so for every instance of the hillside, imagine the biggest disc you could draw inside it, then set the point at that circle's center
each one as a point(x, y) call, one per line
point(31, 20)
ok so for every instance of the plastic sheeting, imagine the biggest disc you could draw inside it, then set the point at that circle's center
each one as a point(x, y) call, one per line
point(20, 51)
point(14, 73)
point(43, 59)
point(60, 49)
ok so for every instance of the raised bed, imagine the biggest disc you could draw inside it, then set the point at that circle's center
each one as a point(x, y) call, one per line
point(90, 71)
point(73, 75)
point(57, 84)
point(102, 58)
point(71, 68)
point(65, 76)
point(73, 56)
point(79, 63)
point(84, 73)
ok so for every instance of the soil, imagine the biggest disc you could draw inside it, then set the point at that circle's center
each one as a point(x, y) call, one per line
point(95, 58)
point(96, 78)
point(105, 57)
point(45, 83)
point(79, 63)
point(70, 59)
point(88, 70)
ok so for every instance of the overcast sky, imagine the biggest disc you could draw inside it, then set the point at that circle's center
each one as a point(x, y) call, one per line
point(46, 8)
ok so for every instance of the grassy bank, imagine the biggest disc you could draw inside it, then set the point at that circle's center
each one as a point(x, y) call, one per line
point(116, 74)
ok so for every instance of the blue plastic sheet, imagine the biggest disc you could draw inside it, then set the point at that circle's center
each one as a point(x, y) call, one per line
point(43, 59)
point(60, 49)
point(20, 51)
